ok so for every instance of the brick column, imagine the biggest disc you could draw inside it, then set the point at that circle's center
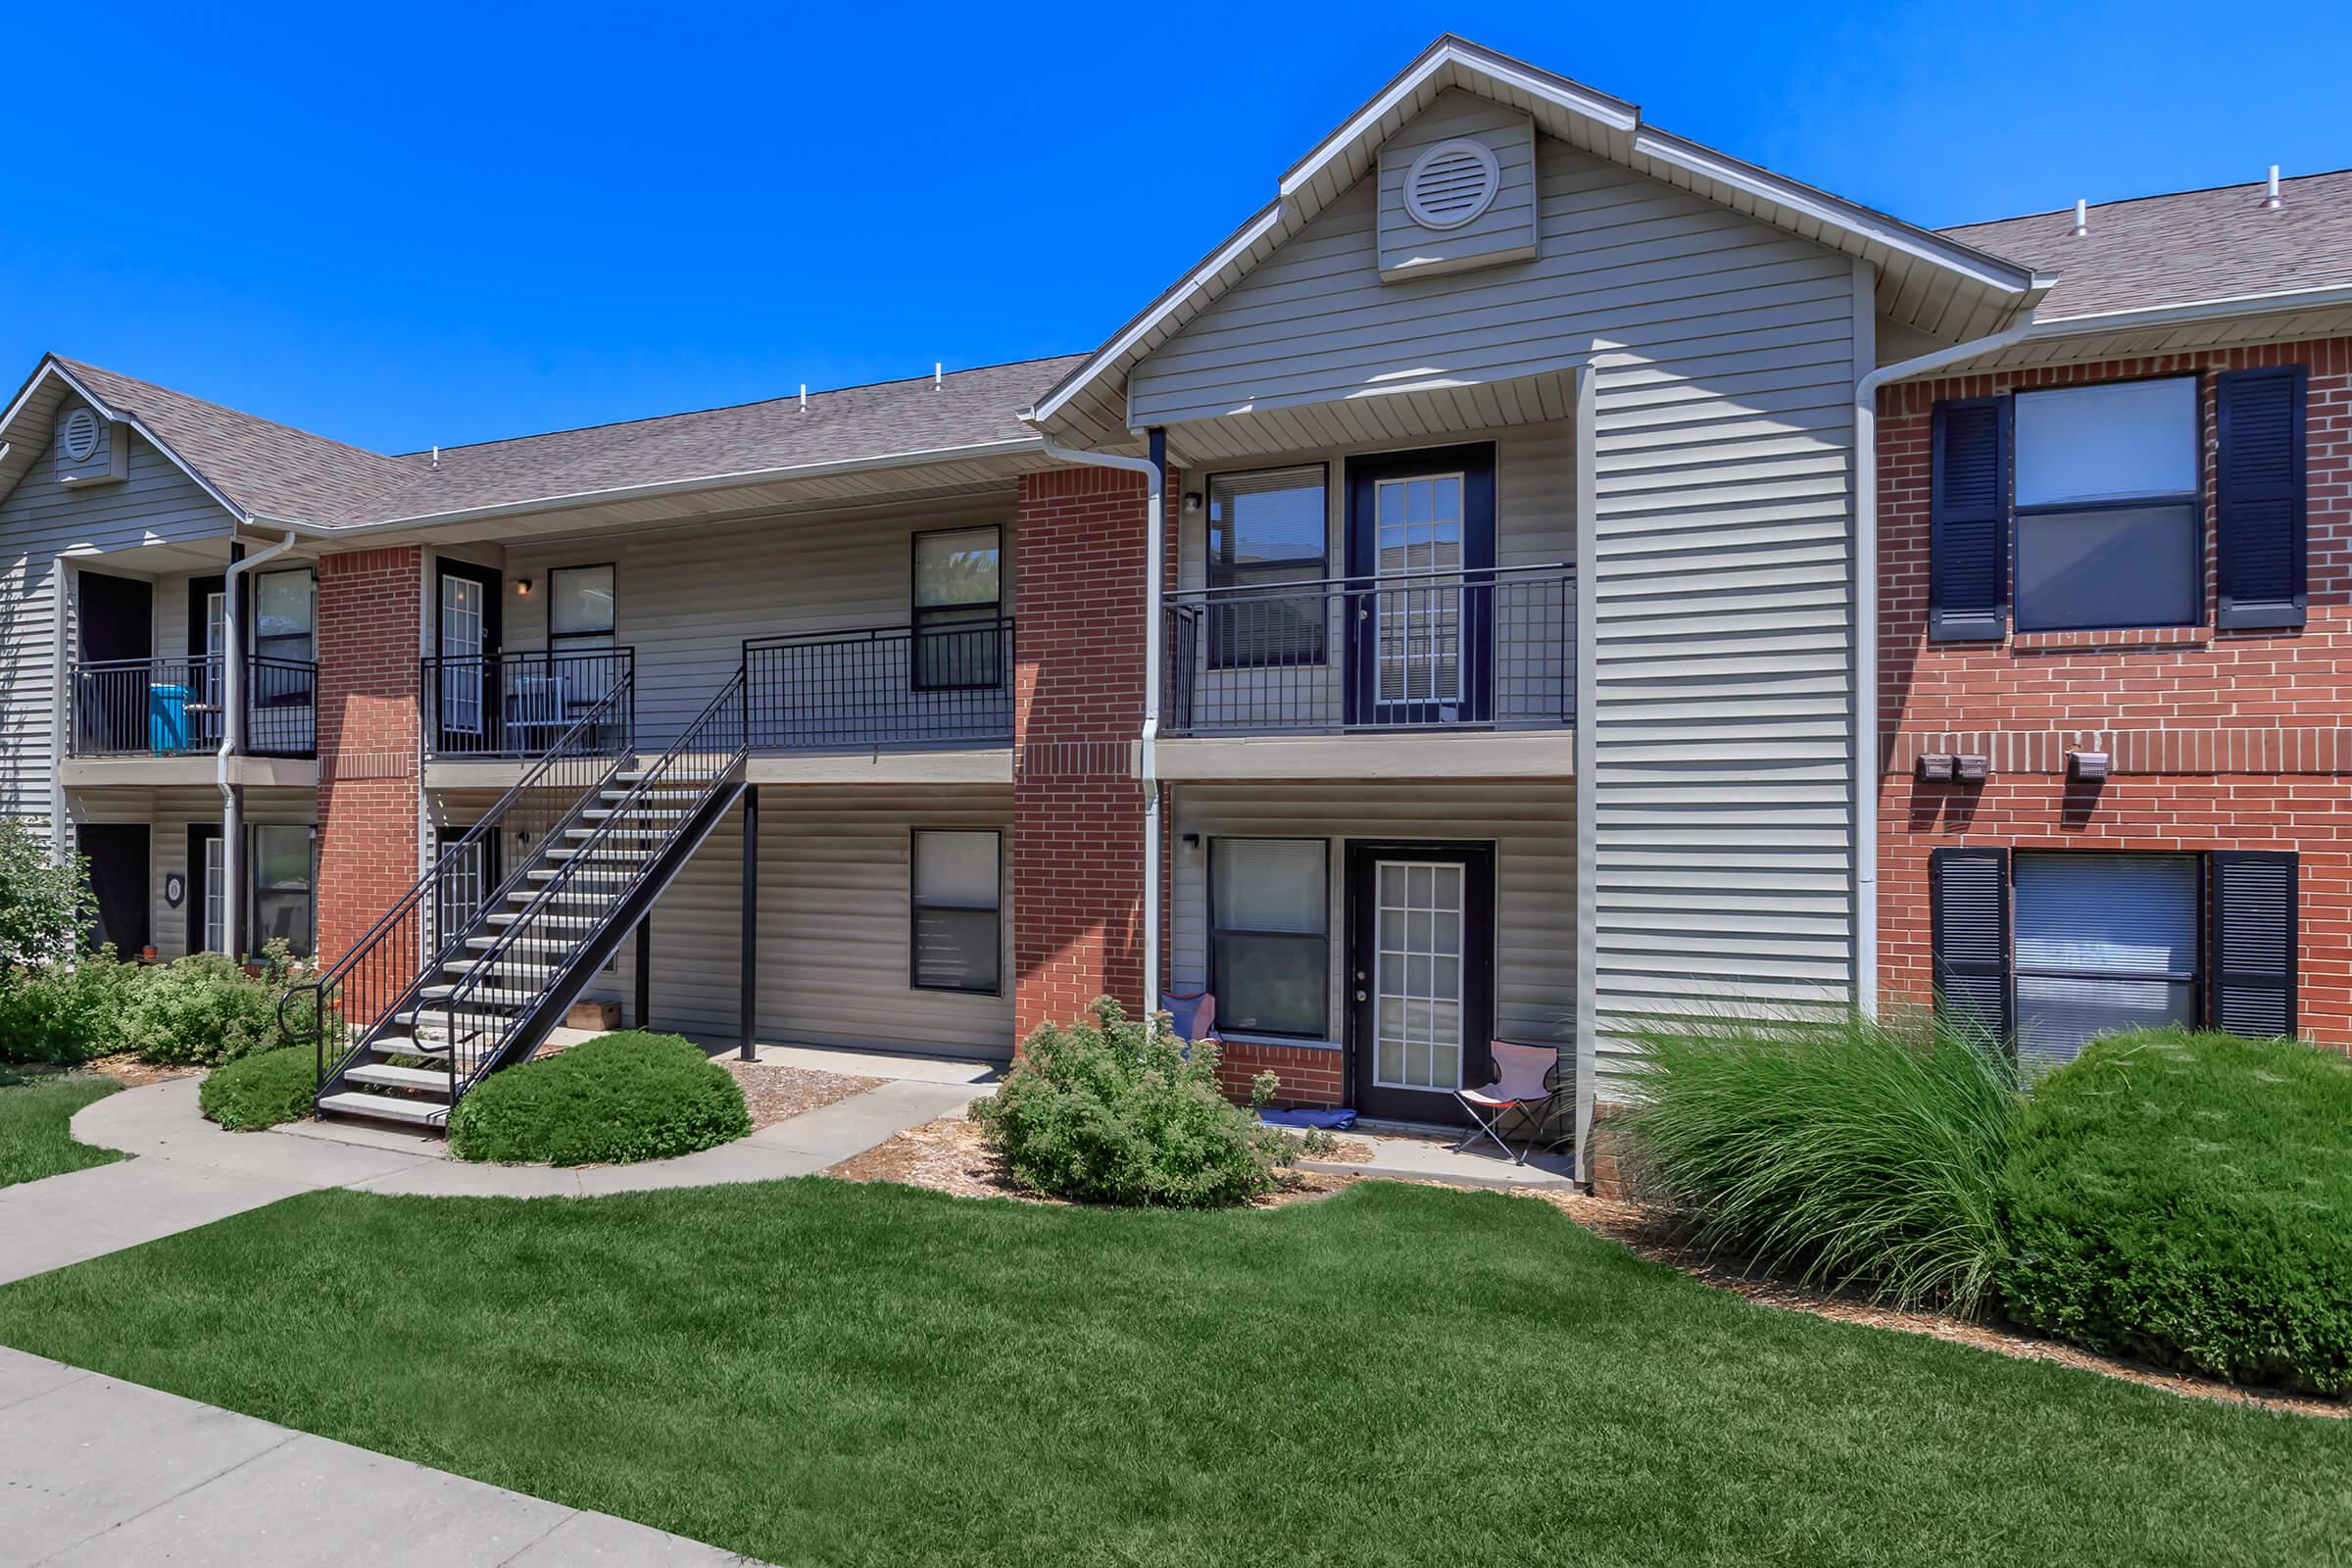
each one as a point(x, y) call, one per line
point(1078, 706)
point(369, 602)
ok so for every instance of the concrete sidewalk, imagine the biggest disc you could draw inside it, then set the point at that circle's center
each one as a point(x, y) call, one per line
point(95, 1471)
point(189, 1172)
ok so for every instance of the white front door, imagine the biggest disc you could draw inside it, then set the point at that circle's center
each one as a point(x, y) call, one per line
point(461, 627)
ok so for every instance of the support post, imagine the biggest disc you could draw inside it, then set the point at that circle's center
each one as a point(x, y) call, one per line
point(643, 1016)
point(750, 1006)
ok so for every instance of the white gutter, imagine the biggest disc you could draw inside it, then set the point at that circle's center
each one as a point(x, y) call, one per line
point(232, 722)
point(1148, 754)
point(1865, 638)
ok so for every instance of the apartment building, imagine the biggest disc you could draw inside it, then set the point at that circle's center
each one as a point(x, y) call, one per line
point(1440, 617)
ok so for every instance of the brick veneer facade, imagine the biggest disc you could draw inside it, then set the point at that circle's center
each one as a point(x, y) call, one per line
point(1078, 706)
point(368, 606)
point(2220, 738)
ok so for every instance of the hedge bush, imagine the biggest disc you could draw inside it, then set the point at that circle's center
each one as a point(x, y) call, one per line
point(64, 1014)
point(262, 1090)
point(205, 1010)
point(1111, 1111)
point(1847, 1151)
point(613, 1100)
point(2186, 1198)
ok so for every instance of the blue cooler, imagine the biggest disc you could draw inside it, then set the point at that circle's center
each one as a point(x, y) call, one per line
point(168, 718)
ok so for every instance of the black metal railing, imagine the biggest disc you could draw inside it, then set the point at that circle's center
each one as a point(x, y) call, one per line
point(515, 705)
point(177, 706)
point(1486, 648)
point(374, 984)
point(600, 870)
point(881, 686)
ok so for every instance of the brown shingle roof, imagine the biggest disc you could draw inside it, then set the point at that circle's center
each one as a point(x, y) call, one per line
point(2193, 245)
point(283, 474)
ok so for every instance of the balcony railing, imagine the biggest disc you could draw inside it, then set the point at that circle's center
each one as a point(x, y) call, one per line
point(949, 684)
point(1491, 647)
point(177, 707)
point(494, 706)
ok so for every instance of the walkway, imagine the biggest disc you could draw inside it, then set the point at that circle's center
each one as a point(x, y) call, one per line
point(189, 1173)
point(97, 1471)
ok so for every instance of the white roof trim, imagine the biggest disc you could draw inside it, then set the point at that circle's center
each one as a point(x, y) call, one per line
point(1501, 70)
point(2218, 308)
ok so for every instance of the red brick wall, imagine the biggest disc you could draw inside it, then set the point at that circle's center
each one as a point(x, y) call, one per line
point(368, 607)
point(1308, 1076)
point(2219, 740)
point(1078, 707)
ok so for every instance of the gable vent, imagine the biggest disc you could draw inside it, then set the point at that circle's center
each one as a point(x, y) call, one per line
point(78, 437)
point(1451, 184)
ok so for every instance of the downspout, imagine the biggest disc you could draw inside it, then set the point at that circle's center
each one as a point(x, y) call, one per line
point(1866, 637)
point(1155, 470)
point(232, 727)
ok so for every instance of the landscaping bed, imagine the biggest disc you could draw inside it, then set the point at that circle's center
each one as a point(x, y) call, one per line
point(814, 1371)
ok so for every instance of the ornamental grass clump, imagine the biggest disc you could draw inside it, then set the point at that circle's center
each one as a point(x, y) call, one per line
point(1112, 1110)
point(2186, 1198)
point(1847, 1151)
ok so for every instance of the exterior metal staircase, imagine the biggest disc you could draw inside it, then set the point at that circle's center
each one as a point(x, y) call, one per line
point(468, 971)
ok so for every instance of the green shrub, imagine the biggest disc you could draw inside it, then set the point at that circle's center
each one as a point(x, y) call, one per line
point(66, 1013)
point(1852, 1153)
point(45, 903)
point(1111, 1110)
point(205, 1010)
point(260, 1090)
point(2186, 1198)
point(611, 1099)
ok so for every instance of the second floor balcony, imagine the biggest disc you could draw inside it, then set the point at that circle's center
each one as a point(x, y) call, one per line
point(171, 707)
point(1474, 650)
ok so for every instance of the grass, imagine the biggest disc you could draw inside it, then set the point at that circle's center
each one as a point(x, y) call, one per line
point(34, 1138)
point(814, 1372)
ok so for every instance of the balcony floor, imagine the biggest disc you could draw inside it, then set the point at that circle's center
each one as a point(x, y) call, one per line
point(188, 768)
point(1389, 753)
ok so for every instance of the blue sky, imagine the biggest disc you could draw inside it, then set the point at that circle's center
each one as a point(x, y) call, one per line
point(451, 226)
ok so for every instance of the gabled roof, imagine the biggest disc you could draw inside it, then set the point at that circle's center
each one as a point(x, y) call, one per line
point(2191, 246)
point(1934, 282)
point(268, 473)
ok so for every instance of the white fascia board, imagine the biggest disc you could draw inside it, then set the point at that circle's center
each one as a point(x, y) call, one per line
point(2219, 308)
point(237, 513)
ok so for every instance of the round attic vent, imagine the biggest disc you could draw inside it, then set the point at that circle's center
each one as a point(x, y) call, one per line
point(1451, 184)
point(78, 436)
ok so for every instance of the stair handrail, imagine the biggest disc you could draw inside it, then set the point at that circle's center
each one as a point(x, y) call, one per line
point(618, 700)
point(734, 694)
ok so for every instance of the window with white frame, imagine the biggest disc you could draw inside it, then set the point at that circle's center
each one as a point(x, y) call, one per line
point(2104, 943)
point(957, 890)
point(958, 601)
point(2107, 521)
point(1270, 935)
point(1267, 530)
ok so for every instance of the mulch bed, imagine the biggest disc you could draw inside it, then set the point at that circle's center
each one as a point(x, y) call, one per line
point(947, 1156)
point(125, 1068)
point(773, 1094)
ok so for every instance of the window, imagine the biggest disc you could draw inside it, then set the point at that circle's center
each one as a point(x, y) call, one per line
point(215, 937)
point(282, 623)
point(2108, 530)
point(2104, 942)
point(959, 904)
point(281, 887)
point(959, 599)
point(1269, 935)
point(580, 608)
point(1266, 530)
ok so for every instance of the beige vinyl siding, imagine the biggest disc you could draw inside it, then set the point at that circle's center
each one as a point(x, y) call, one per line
point(687, 598)
point(1720, 561)
point(40, 521)
point(168, 814)
point(1506, 228)
point(834, 924)
point(1532, 824)
point(1534, 525)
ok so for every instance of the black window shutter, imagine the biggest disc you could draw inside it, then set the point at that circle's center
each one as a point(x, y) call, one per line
point(1968, 528)
point(2259, 499)
point(2253, 942)
point(1968, 919)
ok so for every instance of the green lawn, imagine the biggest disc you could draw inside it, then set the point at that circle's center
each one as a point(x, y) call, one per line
point(34, 1140)
point(814, 1372)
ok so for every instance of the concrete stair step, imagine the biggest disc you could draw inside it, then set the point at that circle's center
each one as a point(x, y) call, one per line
point(423, 1081)
point(387, 1108)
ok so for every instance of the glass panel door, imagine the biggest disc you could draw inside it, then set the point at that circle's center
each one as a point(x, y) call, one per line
point(462, 628)
point(1417, 976)
point(212, 671)
point(1417, 560)
point(216, 885)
